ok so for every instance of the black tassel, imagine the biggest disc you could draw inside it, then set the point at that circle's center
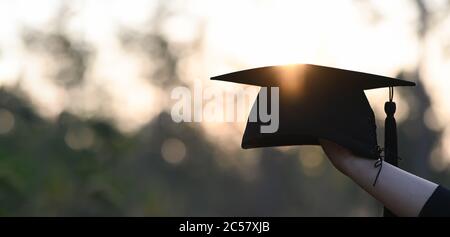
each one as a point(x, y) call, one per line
point(390, 137)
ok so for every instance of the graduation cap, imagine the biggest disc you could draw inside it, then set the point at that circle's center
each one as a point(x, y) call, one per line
point(318, 102)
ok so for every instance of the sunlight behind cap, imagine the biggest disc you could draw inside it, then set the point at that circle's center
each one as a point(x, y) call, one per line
point(292, 77)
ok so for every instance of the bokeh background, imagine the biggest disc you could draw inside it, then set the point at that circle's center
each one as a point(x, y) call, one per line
point(85, 125)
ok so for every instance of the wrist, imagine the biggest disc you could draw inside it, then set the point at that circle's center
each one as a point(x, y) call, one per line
point(350, 164)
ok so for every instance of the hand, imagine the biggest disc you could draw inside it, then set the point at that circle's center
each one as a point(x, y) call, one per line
point(339, 156)
point(403, 193)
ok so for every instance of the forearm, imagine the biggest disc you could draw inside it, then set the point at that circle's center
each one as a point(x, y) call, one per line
point(403, 193)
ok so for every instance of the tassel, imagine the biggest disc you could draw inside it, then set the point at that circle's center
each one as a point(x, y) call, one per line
point(390, 134)
point(390, 137)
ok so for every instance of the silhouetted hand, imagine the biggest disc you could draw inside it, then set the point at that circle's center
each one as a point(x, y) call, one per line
point(402, 192)
point(339, 156)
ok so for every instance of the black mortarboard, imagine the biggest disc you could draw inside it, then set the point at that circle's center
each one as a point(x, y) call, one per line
point(316, 102)
point(322, 102)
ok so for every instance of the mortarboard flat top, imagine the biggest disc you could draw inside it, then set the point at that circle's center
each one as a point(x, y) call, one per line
point(316, 102)
point(273, 76)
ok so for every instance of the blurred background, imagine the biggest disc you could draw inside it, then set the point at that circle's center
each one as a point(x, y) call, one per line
point(85, 125)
